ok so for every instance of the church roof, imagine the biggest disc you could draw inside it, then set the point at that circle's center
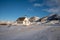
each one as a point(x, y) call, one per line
point(21, 19)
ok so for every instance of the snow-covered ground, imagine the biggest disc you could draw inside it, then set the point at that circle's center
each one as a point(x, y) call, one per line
point(31, 32)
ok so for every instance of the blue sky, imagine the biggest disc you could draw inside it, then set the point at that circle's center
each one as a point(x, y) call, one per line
point(12, 9)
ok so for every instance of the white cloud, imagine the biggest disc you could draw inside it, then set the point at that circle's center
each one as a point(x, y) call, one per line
point(53, 10)
point(37, 5)
point(54, 6)
point(52, 2)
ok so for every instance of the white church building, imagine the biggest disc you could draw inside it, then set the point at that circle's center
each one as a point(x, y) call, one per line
point(23, 21)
